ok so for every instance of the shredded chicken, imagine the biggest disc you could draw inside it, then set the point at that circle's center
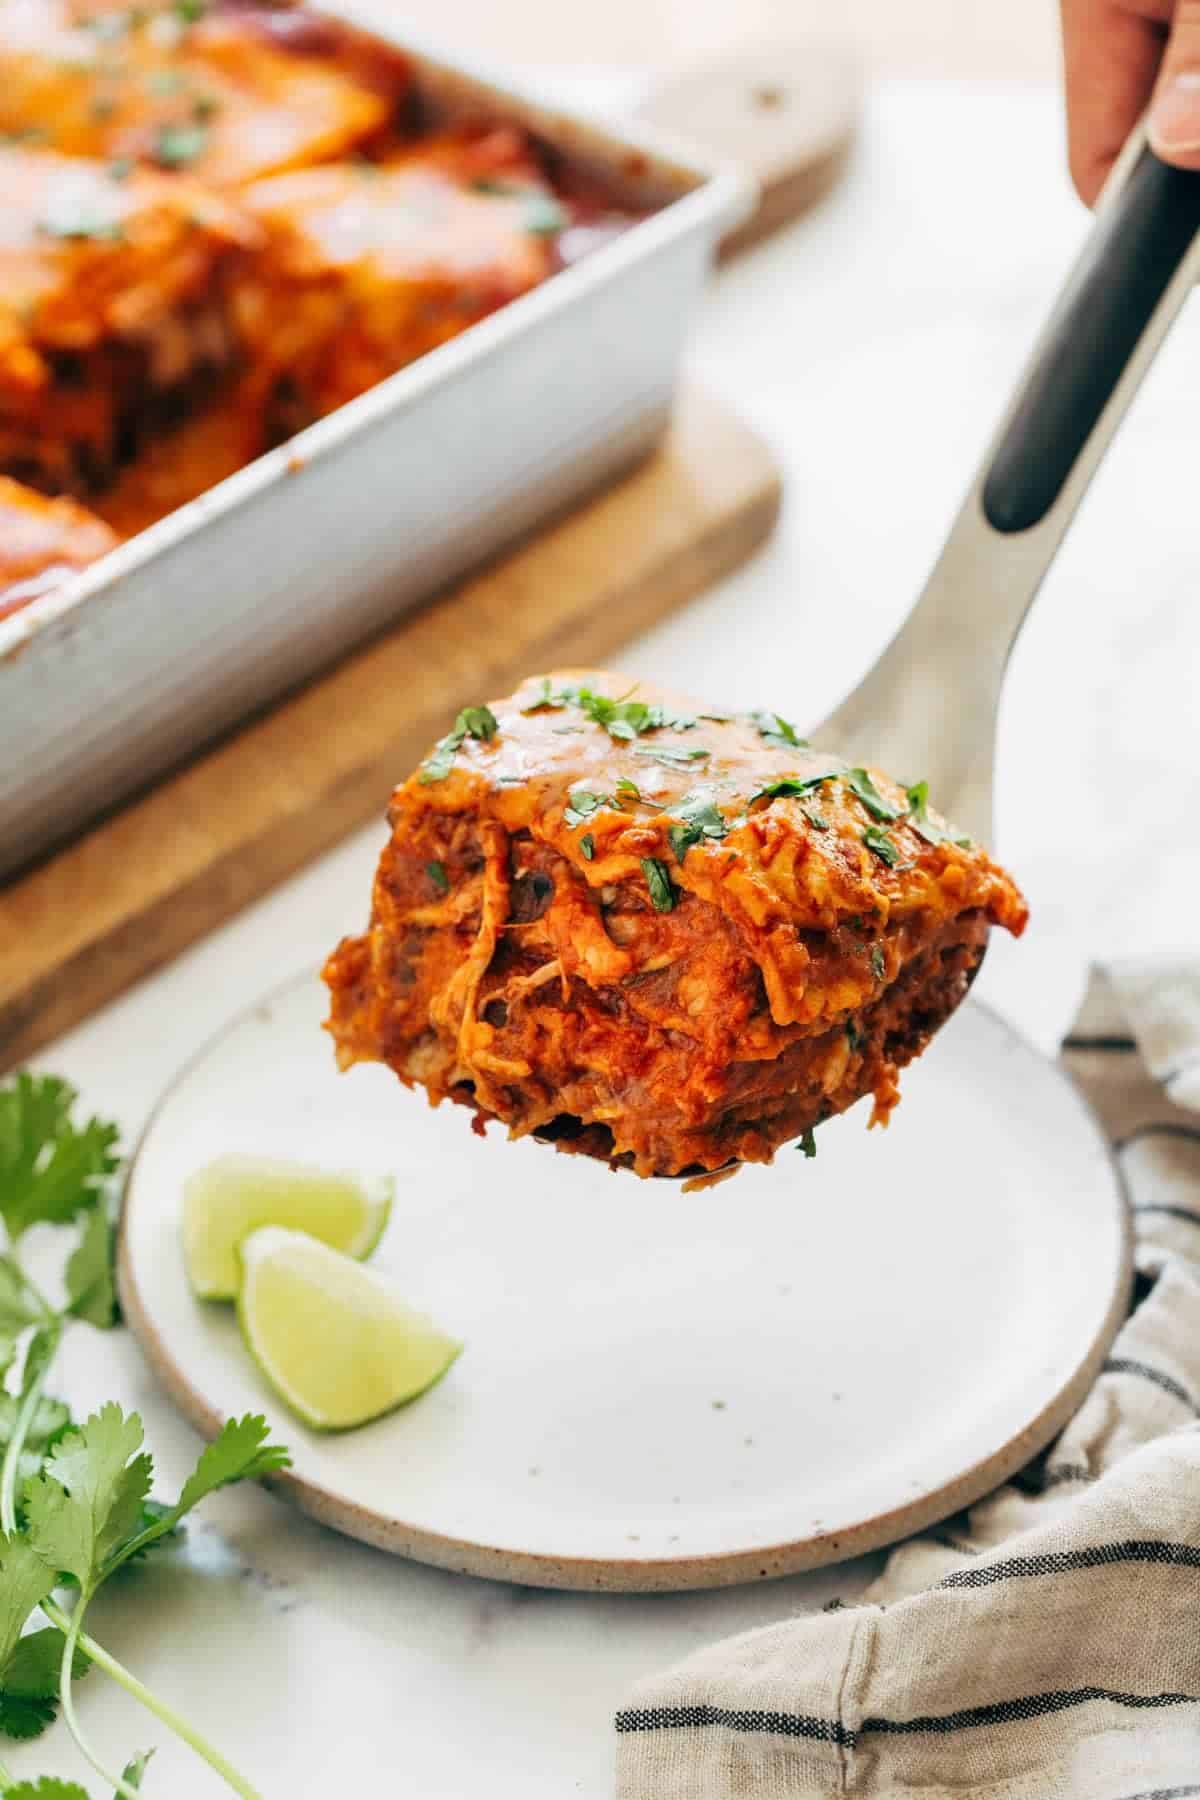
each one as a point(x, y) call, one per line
point(673, 986)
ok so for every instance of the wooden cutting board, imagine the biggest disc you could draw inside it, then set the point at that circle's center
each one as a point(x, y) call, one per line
point(160, 873)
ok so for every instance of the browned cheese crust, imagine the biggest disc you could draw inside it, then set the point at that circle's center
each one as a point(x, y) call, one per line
point(594, 925)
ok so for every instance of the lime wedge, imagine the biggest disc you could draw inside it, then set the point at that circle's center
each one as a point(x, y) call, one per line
point(231, 1197)
point(331, 1337)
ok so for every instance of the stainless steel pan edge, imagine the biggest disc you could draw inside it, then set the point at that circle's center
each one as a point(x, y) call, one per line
point(252, 588)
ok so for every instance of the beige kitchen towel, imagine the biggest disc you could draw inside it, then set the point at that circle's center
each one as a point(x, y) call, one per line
point(1045, 1645)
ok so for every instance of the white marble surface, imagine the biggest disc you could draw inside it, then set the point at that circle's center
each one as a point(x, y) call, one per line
point(873, 345)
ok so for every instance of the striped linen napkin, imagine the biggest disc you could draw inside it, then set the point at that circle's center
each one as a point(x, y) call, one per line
point(1045, 1645)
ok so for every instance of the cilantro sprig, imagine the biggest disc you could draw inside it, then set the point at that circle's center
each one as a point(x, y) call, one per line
point(473, 721)
point(925, 827)
point(75, 1505)
point(624, 719)
point(774, 729)
point(699, 817)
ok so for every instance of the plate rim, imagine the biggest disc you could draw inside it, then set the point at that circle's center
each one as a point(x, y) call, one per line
point(660, 1574)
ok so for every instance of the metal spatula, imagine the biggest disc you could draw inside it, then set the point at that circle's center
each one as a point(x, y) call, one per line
point(928, 707)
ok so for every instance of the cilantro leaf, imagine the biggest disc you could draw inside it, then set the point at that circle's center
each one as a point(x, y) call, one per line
point(239, 1452)
point(436, 872)
point(700, 819)
point(863, 788)
point(673, 755)
point(91, 1294)
point(25, 1581)
point(87, 1504)
point(18, 1308)
point(178, 145)
point(883, 846)
point(473, 721)
point(925, 827)
point(587, 845)
point(658, 880)
point(777, 731)
point(808, 1143)
point(581, 804)
point(544, 696)
point(628, 790)
point(135, 1768)
point(788, 786)
point(544, 217)
point(477, 722)
point(48, 1788)
point(878, 964)
point(29, 1685)
point(438, 763)
point(49, 1168)
point(817, 820)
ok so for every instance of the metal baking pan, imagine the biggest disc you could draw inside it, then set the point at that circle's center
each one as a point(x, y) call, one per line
point(240, 595)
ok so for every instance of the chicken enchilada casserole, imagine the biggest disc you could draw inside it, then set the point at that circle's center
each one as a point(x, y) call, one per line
point(247, 212)
point(673, 939)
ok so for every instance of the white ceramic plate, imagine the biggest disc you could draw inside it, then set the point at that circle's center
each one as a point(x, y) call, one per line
point(668, 1390)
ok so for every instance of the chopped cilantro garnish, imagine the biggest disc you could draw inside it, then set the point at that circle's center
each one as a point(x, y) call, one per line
point(190, 11)
point(178, 145)
point(587, 845)
point(544, 217)
point(204, 106)
point(437, 766)
point(472, 721)
point(923, 825)
point(882, 845)
point(817, 820)
point(852, 1036)
point(436, 872)
point(863, 788)
point(777, 731)
point(121, 168)
point(545, 696)
point(477, 722)
point(543, 214)
point(658, 880)
point(72, 214)
point(699, 819)
point(878, 965)
point(165, 81)
point(808, 1143)
point(789, 785)
point(582, 804)
point(629, 790)
point(673, 755)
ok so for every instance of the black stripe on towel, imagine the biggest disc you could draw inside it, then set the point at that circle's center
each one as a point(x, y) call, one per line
point(1124, 1365)
point(1165, 1793)
point(1040, 1481)
point(1164, 1128)
point(1109, 1045)
point(832, 1731)
point(1059, 1562)
point(1024, 1706)
point(690, 1718)
point(1169, 1212)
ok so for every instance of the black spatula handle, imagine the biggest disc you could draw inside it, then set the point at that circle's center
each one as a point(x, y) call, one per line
point(1112, 298)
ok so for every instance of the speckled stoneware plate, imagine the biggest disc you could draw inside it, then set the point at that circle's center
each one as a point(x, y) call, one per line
point(667, 1390)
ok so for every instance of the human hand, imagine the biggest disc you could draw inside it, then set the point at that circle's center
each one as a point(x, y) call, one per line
point(1121, 55)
